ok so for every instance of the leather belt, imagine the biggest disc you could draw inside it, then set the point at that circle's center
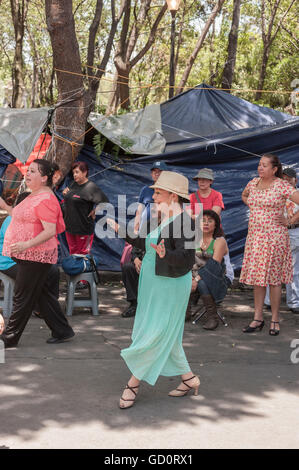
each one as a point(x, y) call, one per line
point(293, 226)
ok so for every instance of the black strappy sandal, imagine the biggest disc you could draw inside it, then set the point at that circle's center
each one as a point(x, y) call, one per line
point(178, 392)
point(251, 329)
point(274, 331)
point(132, 400)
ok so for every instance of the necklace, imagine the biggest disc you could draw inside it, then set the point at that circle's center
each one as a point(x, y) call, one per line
point(265, 184)
point(205, 245)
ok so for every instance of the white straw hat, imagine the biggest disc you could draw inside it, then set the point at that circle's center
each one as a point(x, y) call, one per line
point(174, 183)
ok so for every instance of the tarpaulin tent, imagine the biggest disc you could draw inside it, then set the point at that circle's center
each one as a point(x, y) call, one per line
point(20, 129)
point(39, 150)
point(202, 127)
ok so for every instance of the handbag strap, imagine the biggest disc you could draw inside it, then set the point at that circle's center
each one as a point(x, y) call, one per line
point(94, 270)
point(197, 197)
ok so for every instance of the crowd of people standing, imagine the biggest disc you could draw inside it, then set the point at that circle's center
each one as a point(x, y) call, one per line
point(164, 268)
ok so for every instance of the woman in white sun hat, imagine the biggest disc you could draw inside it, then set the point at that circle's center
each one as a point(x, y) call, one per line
point(164, 288)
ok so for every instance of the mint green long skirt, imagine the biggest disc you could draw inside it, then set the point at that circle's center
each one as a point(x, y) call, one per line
point(157, 335)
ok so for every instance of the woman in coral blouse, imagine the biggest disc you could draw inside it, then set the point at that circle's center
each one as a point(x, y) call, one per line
point(31, 241)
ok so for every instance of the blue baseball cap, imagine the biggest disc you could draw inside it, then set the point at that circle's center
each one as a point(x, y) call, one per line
point(160, 165)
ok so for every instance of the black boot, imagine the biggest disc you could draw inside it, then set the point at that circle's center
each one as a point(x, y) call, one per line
point(212, 321)
point(130, 312)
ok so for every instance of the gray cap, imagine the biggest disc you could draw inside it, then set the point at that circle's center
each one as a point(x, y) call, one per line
point(206, 173)
point(289, 172)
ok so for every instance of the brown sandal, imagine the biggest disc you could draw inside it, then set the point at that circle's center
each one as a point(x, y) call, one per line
point(132, 400)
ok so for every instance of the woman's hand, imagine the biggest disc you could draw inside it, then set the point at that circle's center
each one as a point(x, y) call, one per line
point(112, 224)
point(92, 214)
point(160, 249)
point(283, 220)
point(19, 247)
point(137, 263)
point(65, 191)
point(194, 285)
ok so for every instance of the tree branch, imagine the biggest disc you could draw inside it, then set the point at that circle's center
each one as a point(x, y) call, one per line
point(151, 37)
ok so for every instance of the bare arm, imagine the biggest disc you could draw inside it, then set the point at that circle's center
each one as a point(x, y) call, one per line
point(220, 249)
point(245, 195)
point(49, 230)
point(295, 197)
point(5, 206)
point(217, 209)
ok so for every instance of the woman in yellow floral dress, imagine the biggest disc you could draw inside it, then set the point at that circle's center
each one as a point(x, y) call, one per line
point(267, 257)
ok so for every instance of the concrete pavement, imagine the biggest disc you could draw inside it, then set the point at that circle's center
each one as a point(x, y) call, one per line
point(66, 396)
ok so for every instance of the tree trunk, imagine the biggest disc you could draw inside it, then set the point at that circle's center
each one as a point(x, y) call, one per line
point(269, 33)
point(200, 42)
point(74, 102)
point(19, 13)
point(229, 68)
point(263, 72)
point(128, 40)
point(95, 82)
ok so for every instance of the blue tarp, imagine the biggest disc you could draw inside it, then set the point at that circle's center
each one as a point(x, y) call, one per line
point(5, 159)
point(230, 178)
point(205, 113)
point(203, 128)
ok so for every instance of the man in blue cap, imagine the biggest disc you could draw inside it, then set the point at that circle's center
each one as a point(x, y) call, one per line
point(131, 270)
point(146, 196)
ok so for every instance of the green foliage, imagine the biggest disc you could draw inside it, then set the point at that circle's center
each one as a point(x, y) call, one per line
point(101, 144)
point(153, 69)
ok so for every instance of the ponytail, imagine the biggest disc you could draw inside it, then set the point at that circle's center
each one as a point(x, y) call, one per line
point(275, 162)
point(47, 168)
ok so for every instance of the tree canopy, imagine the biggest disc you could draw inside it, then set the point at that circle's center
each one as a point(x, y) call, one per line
point(113, 55)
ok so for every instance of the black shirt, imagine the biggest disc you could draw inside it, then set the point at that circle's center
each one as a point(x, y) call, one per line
point(78, 203)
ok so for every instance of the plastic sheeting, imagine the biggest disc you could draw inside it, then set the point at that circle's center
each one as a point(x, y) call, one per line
point(20, 129)
point(5, 159)
point(231, 178)
point(139, 133)
point(203, 128)
point(206, 112)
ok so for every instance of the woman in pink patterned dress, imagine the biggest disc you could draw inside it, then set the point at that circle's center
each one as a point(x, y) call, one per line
point(267, 257)
point(31, 241)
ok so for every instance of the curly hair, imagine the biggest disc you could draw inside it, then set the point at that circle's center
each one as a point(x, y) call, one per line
point(218, 231)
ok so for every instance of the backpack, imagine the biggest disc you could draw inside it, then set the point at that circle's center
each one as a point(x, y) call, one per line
point(77, 264)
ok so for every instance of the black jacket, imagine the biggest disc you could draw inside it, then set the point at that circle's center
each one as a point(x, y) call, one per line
point(178, 259)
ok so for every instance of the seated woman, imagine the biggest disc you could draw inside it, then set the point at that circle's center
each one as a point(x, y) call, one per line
point(209, 277)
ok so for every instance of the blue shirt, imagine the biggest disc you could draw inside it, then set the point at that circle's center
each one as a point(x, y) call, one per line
point(5, 261)
point(146, 198)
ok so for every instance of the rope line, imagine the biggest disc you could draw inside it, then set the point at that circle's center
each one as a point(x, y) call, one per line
point(149, 85)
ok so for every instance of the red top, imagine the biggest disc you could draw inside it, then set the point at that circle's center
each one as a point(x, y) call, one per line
point(214, 199)
point(26, 224)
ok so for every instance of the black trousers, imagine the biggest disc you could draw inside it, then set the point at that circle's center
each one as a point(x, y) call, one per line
point(130, 278)
point(52, 279)
point(33, 284)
